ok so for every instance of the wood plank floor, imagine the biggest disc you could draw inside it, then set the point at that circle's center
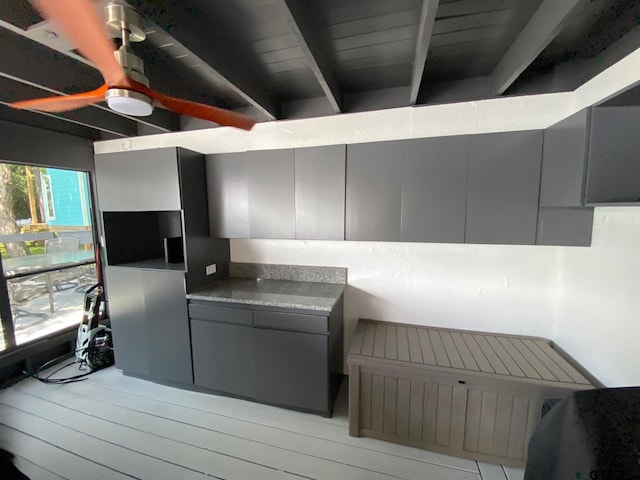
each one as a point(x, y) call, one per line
point(112, 427)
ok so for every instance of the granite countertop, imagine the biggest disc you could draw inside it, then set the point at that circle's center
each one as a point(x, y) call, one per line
point(273, 293)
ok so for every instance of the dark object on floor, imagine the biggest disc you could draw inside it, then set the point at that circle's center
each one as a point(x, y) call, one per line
point(593, 434)
point(8, 471)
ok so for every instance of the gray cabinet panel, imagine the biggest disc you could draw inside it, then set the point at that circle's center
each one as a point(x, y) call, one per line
point(228, 187)
point(140, 181)
point(291, 321)
point(251, 194)
point(374, 191)
point(614, 159)
point(503, 188)
point(565, 226)
point(434, 189)
point(125, 291)
point(319, 192)
point(291, 369)
point(564, 158)
point(167, 326)
point(223, 357)
point(236, 316)
point(271, 201)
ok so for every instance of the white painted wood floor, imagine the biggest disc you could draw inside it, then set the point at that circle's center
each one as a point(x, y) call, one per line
point(112, 427)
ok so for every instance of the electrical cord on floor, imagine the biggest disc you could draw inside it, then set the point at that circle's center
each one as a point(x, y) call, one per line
point(59, 381)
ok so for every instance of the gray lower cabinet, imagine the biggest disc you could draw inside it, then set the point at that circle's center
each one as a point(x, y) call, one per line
point(223, 357)
point(280, 357)
point(125, 292)
point(149, 319)
point(503, 188)
point(292, 368)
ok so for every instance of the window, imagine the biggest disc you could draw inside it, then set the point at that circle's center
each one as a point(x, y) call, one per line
point(46, 245)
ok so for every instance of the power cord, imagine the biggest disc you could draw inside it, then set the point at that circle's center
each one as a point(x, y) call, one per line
point(61, 381)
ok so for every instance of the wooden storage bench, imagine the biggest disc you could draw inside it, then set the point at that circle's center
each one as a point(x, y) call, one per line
point(470, 394)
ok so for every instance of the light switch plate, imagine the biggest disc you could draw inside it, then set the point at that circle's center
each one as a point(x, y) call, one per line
point(211, 269)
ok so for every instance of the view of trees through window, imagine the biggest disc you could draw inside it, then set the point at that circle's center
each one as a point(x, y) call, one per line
point(46, 244)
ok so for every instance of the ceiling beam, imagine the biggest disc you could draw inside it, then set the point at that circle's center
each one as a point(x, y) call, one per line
point(36, 64)
point(301, 20)
point(425, 29)
point(13, 89)
point(545, 24)
point(224, 62)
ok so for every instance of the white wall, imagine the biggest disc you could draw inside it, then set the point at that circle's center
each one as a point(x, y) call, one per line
point(509, 289)
point(585, 299)
point(598, 316)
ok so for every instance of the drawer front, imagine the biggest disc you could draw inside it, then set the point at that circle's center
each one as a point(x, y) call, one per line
point(291, 321)
point(214, 313)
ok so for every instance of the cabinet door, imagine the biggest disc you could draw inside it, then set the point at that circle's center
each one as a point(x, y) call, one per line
point(565, 226)
point(434, 189)
point(614, 155)
point(374, 191)
point(223, 357)
point(292, 369)
point(145, 180)
point(125, 293)
point(503, 187)
point(228, 186)
point(564, 157)
point(167, 326)
point(251, 195)
point(319, 192)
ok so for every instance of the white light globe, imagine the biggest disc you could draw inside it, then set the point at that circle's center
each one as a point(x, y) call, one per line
point(130, 106)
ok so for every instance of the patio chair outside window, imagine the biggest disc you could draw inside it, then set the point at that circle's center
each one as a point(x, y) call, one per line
point(63, 279)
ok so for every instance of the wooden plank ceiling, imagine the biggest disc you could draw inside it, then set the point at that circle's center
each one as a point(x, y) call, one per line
point(323, 57)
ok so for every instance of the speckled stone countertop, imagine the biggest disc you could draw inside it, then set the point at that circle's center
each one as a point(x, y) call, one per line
point(272, 293)
point(285, 286)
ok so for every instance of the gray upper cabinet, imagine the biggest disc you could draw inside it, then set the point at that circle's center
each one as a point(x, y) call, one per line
point(503, 187)
point(614, 155)
point(140, 181)
point(410, 191)
point(319, 192)
point(251, 194)
point(565, 226)
point(563, 162)
point(434, 189)
point(374, 191)
point(592, 157)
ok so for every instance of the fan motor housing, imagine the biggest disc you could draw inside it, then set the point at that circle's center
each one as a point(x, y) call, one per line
point(122, 18)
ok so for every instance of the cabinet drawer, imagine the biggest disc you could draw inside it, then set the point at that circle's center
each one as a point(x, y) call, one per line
point(291, 321)
point(214, 313)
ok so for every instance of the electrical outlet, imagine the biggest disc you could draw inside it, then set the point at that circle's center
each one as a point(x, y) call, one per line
point(211, 269)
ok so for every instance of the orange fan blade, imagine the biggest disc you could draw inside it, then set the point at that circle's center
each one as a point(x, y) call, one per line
point(194, 109)
point(81, 25)
point(63, 103)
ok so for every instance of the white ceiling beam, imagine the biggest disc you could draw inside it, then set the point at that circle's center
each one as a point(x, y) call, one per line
point(301, 21)
point(425, 29)
point(545, 24)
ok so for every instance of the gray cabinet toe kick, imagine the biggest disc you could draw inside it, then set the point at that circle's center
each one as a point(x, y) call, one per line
point(278, 357)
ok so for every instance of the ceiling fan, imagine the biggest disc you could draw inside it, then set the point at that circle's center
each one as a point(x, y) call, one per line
point(126, 88)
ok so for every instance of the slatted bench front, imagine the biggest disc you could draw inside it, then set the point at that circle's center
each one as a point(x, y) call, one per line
point(470, 394)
